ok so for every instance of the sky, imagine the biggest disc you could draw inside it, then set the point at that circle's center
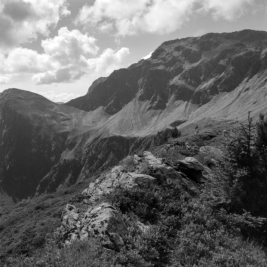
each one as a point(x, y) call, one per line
point(57, 48)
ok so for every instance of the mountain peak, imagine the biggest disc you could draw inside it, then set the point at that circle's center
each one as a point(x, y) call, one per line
point(193, 69)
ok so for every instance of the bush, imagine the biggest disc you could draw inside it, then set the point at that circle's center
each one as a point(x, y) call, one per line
point(79, 254)
point(160, 209)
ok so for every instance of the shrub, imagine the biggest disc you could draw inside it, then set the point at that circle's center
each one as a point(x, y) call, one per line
point(128, 164)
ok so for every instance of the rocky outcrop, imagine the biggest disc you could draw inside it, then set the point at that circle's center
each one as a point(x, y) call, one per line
point(103, 220)
point(117, 177)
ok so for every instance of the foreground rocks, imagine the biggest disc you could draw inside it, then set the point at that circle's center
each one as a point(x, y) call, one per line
point(102, 220)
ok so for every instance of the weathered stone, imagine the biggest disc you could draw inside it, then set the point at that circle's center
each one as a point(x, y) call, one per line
point(102, 221)
point(191, 163)
point(191, 167)
point(152, 161)
point(106, 222)
point(117, 178)
point(70, 217)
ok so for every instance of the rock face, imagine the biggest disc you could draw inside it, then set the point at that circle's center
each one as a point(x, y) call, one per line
point(45, 146)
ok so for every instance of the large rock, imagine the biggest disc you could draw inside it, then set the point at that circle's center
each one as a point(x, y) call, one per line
point(117, 178)
point(106, 222)
point(191, 163)
point(165, 173)
point(191, 167)
point(152, 161)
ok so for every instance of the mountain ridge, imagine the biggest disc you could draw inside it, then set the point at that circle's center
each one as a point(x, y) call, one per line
point(214, 79)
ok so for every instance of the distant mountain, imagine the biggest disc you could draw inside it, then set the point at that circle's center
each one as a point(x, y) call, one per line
point(45, 146)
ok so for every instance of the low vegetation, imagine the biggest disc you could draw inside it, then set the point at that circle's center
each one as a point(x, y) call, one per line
point(223, 226)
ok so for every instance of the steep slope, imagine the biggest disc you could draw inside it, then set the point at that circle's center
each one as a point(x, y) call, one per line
point(33, 135)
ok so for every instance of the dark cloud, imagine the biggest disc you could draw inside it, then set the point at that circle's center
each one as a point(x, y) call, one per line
point(6, 26)
point(18, 11)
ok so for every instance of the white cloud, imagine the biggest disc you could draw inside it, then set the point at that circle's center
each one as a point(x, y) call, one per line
point(22, 20)
point(106, 27)
point(155, 16)
point(5, 78)
point(108, 61)
point(227, 9)
point(66, 58)
point(23, 60)
point(70, 46)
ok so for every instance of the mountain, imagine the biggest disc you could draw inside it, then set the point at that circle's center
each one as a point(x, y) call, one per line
point(207, 81)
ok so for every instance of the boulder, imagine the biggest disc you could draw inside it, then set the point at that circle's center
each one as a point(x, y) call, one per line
point(191, 163)
point(152, 161)
point(101, 220)
point(106, 222)
point(191, 167)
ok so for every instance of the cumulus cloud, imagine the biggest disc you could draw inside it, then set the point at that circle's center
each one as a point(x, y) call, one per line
point(108, 61)
point(23, 20)
point(66, 58)
point(154, 16)
point(227, 9)
point(26, 61)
